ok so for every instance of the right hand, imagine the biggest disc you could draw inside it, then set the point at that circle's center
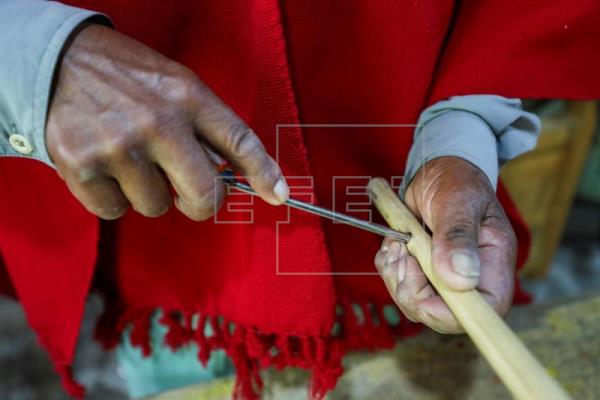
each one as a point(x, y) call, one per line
point(474, 245)
point(125, 121)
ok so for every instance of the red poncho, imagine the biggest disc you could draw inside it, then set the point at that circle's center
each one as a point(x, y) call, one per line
point(282, 62)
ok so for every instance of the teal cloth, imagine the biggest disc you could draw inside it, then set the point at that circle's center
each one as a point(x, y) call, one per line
point(165, 369)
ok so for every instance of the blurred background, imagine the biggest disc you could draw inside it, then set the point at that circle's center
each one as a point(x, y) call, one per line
point(557, 188)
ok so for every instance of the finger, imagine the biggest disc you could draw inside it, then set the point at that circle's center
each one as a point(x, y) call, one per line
point(390, 262)
point(387, 263)
point(412, 287)
point(200, 191)
point(235, 141)
point(434, 313)
point(144, 185)
point(497, 248)
point(100, 195)
point(387, 242)
point(417, 299)
point(455, 240)
point(498, 254)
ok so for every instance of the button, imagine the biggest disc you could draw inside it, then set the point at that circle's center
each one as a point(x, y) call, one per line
point(20, 143)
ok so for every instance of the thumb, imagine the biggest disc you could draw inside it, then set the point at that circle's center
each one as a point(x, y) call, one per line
point(455, 246)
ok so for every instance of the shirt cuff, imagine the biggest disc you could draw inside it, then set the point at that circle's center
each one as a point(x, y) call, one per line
point(32, 37)
point(485, 130)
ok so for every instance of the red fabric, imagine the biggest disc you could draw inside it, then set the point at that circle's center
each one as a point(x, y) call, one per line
point(48, 244)
point(535, 48)
point(283, 62)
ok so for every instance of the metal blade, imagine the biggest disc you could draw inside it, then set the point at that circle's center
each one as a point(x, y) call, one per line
point(229, 178)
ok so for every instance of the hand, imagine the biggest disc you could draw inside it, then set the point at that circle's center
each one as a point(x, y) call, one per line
point(474, 245)
point(125, 122)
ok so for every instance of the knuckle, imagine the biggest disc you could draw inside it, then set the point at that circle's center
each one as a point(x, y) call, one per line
point(183, 74)
point(86, 175)
point(114, 151)
point(147, 121)
point(403, 297)
point(98, 150)
point(183, 86)
point(158, 126)
point(206, 205)
point(72, 158)
point(242, 141)
point(461, 230)
point(150, 122)
point(84, 167)
point(186, 78)
point(96, 157)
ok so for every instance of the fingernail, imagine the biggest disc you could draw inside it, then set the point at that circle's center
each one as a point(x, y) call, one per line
point(281, 190)
point(465, 264)
point(394, 253)
point(385, 247)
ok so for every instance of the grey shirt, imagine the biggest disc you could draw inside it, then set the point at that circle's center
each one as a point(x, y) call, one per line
point(485, 130)
point(32, 35)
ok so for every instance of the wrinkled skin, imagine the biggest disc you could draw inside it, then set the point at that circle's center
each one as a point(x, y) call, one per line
point(124, 122)
point(474, 245)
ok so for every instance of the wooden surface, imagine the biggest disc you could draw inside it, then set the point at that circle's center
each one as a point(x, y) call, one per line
point(518, 369)
point(543, 182)
point(565, 336)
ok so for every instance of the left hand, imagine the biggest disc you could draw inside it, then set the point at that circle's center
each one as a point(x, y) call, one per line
point(474, 245)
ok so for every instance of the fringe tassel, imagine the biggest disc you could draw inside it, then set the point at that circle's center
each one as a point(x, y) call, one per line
point(363, 326)
point(180, 330)
point(139, 336)
point(200, 338)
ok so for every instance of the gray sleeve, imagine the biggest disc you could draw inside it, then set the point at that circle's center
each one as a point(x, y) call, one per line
point(485, 130)
point(32, 35)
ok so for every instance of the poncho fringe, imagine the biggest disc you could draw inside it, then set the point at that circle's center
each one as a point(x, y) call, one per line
point(361, 327)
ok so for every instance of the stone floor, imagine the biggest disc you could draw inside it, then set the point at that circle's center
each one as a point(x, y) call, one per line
point(25, 373)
